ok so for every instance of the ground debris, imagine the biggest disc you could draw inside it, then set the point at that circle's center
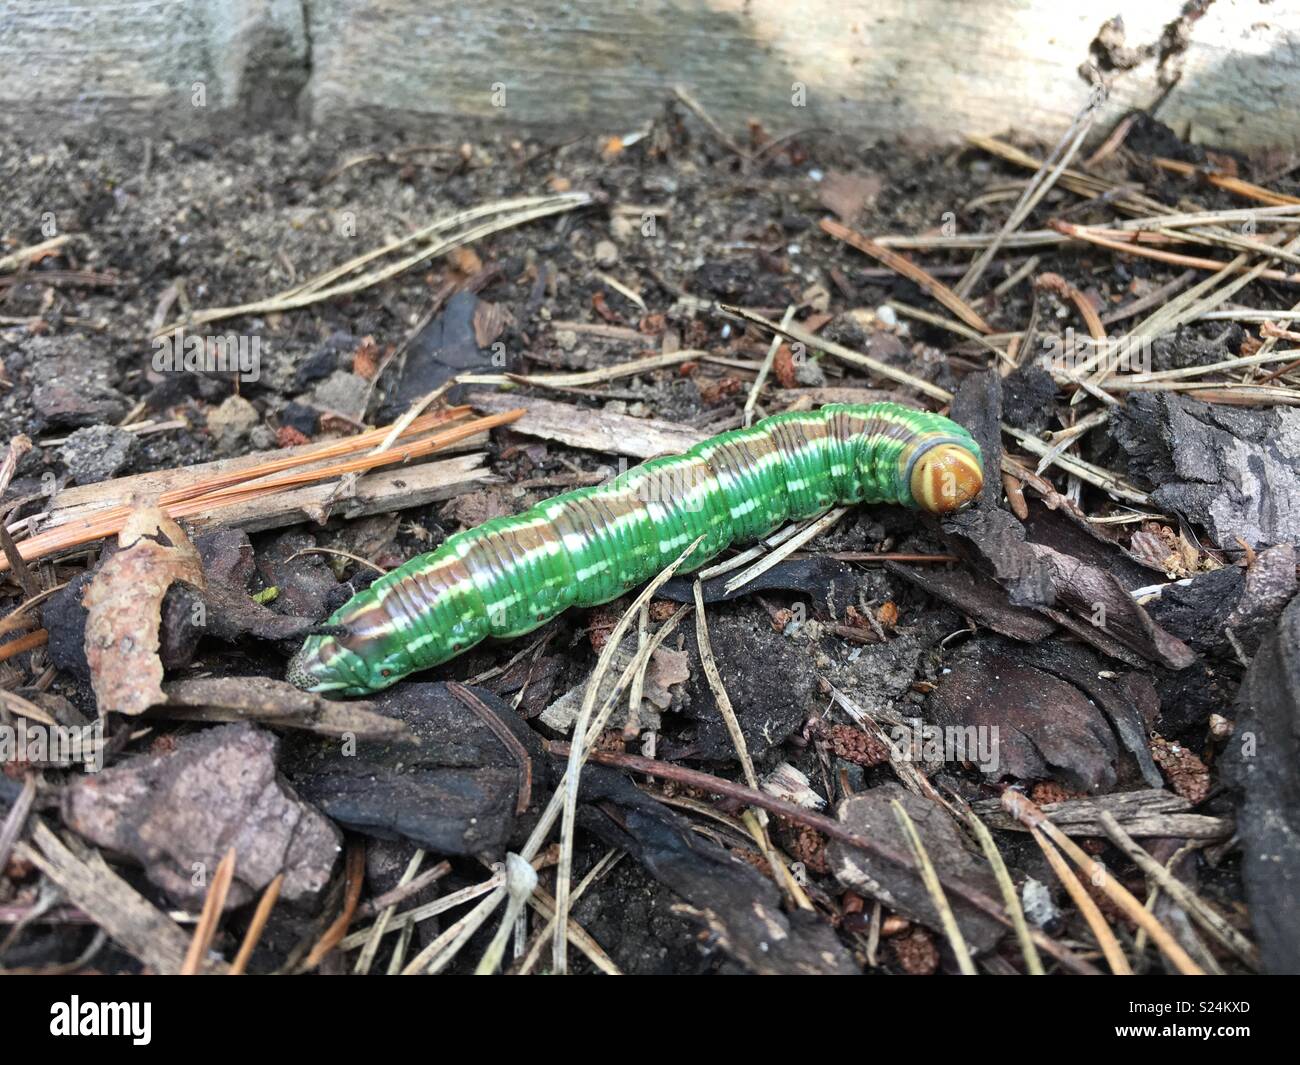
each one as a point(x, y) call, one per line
point(1261, 761)
point(848, 193)
point(870, 814)
point(1086, 598)
point(228, 567)
point(915, 952)
point(177, 813)
point(446, 345)
point(124, 607)
point(665, 670)
point(1046, 727)
point(277, 704)
point(457, 789)
point(1143, 813)
point(769, 712)
point(1206, 608)
point(132, 920)
point(74, 391)
point(739, 907)
point(1186, 773)
point(97, 452)
point(602, 326)
point(831, 586)
point(1235, 472)
point(596, 430)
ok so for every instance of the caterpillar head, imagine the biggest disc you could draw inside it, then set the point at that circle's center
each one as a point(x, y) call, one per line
point(946, 476)
point(338, 661)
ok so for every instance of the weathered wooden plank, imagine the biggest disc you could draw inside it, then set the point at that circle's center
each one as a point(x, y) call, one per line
point(934, 68)
point(882, 68)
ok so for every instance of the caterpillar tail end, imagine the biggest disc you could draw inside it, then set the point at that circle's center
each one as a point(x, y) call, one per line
point(304, 670)
point(945, 478)
point(299, 670)
point(324, 664)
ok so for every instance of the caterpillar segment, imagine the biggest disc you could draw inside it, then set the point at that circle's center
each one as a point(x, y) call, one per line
point(511, 575)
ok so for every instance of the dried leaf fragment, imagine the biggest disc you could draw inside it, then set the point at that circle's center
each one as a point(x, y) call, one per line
point(124, 609)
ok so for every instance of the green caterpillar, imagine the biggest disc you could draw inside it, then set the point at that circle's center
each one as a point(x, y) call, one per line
point(583, 548)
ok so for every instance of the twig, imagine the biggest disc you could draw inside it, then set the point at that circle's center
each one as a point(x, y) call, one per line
point(1028, 238)
point(16, 818)
point(385, 910)
point(940, 322)
point(1072, 435)
point(1223, 365)
point(630, 294)
point(1015, 277)
point(810, 531)
point(1074, 180)
point(337, 554)
point(18, 447)
point(1211, 218)
point(1059, 286)
point(1113, 141)
point(749, 554)
point(1085, 471)
point(1155, 298)
point(233, 488)
point(423, 912)
point(544, 905)
point(33, 252)
point(890, 556)
point(438, 954)
point(28, 642)
point(719, 689)
point(882, 369)
point(30, 586)
point(521, 882)
point(755, 824)
point(1008, 888)
point(135, 924)
point(1174, 258)
point(644, 654)
point(586, 377)
point(405, 888)
point(534, 951)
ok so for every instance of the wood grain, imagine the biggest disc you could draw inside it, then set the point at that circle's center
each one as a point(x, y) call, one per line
point(933, 69)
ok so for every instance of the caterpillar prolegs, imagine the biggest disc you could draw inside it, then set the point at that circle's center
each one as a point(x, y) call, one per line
point(510, 575)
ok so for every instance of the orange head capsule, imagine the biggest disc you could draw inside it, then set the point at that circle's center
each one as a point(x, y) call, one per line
point(946, 477)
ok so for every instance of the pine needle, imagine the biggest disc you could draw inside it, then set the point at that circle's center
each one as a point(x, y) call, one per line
point(932, 885)
point(206, 928)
